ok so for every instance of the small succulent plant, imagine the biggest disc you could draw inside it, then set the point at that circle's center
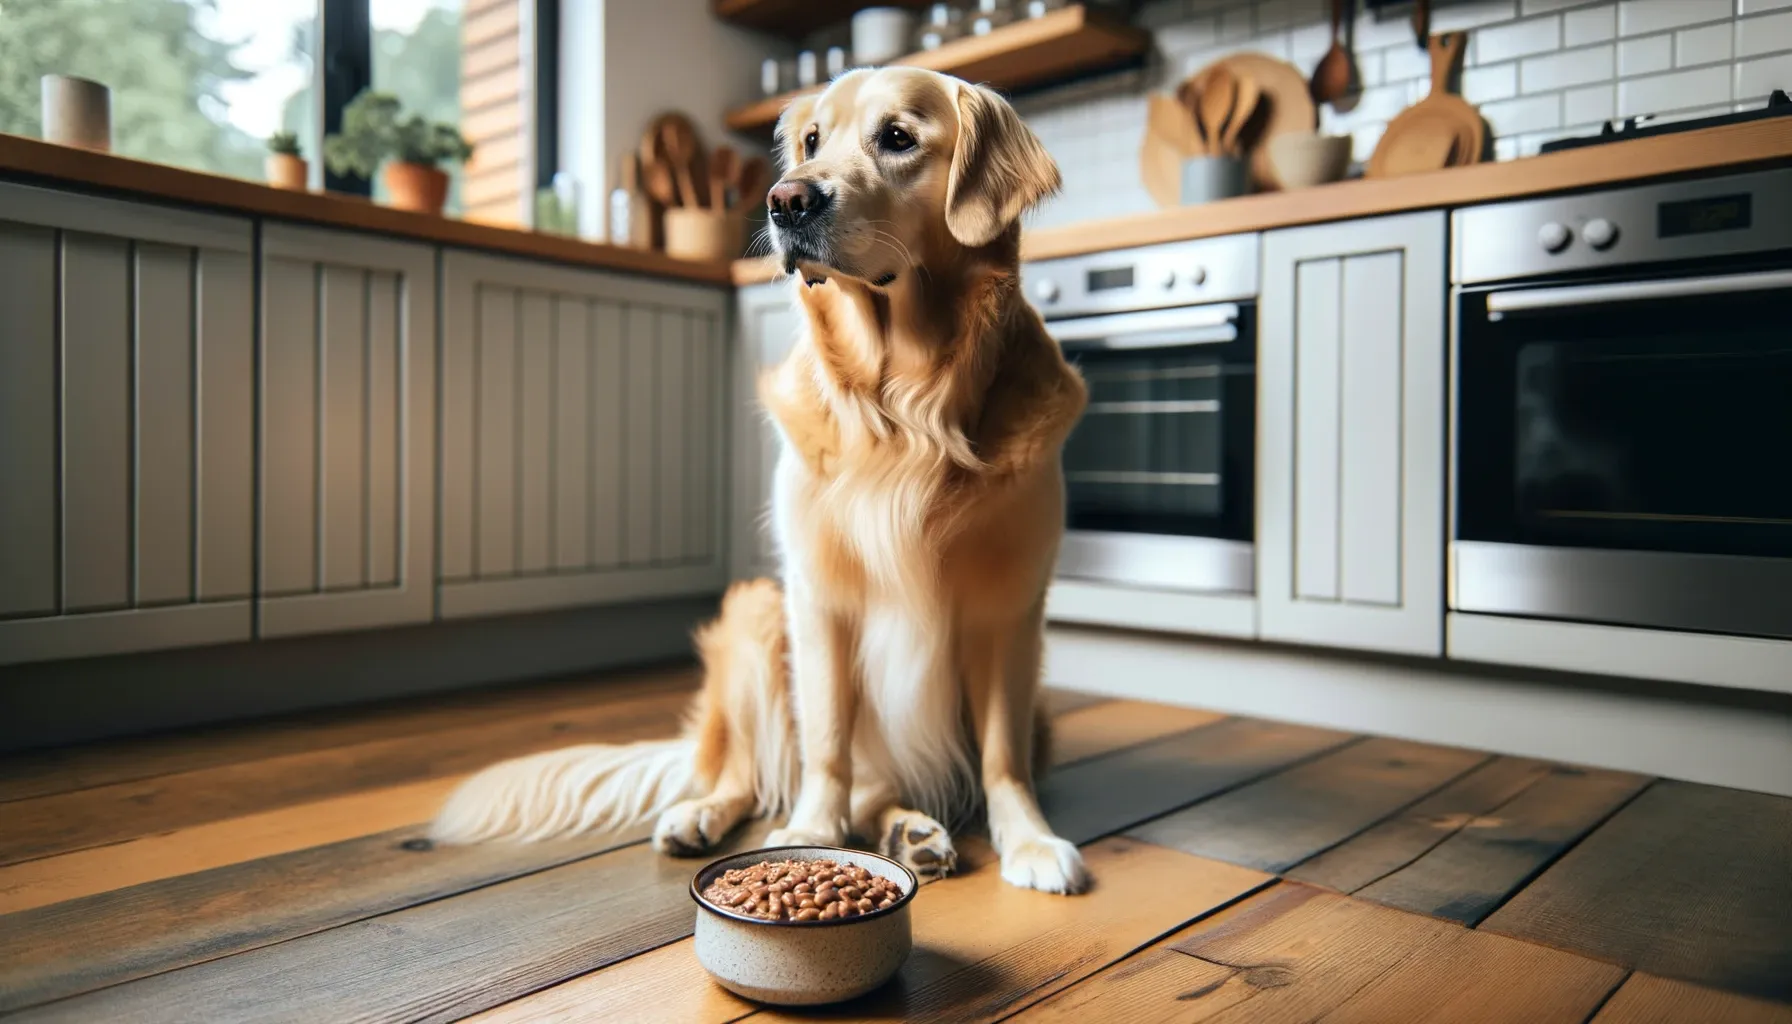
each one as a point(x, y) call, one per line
point(284, 143)
point(374, 128)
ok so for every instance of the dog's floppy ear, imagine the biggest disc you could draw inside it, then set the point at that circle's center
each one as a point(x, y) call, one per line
point(796, 117)
point(999, 168)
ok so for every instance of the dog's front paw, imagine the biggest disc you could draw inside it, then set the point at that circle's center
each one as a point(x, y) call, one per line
point(686, 829)
point(1046, 863)
point(920, 844)
point(806, 837)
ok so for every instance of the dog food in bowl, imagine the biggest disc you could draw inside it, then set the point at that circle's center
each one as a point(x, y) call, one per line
point(802, 890)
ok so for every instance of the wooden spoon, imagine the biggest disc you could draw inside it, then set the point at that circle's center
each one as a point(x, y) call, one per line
point(1249, 93)
point(722, 167)
point(660, 184)
point(680, 144)
point(1219, 94)
point(1331, 78)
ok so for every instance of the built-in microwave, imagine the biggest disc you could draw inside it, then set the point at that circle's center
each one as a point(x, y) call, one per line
point(1160, 472)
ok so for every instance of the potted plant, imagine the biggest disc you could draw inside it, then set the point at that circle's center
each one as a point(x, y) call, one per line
point(286, 167)
point(375, 131)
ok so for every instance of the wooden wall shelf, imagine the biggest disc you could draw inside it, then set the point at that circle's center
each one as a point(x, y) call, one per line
point(1065, 42)
point(795, 19)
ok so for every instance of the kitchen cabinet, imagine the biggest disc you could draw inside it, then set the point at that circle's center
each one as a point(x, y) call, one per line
point(347, 439)
point(126, 418)
point(582, 433)
point(766, 323)
point(1351, 474)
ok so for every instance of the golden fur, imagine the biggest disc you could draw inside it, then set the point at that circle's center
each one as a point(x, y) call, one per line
point(918, 505)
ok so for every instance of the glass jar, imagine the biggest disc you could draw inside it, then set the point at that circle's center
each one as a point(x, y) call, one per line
point(943, 24)
point(989, 15)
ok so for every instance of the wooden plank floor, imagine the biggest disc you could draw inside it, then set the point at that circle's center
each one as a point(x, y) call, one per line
point(1246, 871)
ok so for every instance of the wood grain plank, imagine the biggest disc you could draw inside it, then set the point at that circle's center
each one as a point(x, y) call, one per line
point(420, 963)
point(78, 946)
point(1647, 999)
point(1297, 954)
point(433, 961)
point(65, 769)
point(1286, 818)
point(1689, 882)
point(1409, 835)
point(1470, 874)
point(662, 986)
point(42, 826)
point(1102, 795)
point(1109, 725)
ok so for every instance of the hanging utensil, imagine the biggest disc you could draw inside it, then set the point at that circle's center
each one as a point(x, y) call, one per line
point(1332, 76)
point(1421, 22)
point(1451, 131)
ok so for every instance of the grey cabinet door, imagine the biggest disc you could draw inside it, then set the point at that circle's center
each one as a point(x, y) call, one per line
point(1351, 473)
point(126, 426)
point(582, 435)
point(348, 341)
point(766, 325)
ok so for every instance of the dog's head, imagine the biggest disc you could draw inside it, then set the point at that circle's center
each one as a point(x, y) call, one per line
point(893, 168)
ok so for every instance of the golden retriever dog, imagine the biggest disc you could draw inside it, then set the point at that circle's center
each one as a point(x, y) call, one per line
point(890, 687)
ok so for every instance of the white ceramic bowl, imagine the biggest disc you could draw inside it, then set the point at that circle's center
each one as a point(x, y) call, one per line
point(803, 963)
point(1302, 161)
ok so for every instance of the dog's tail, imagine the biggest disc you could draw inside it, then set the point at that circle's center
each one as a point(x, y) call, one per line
point(740, 721)
point(590, 788)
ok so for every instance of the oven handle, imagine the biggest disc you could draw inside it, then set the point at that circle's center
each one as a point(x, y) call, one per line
point(1635, 291)
point(1157, 328)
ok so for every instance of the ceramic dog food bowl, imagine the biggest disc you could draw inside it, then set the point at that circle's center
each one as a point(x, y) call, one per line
point(803, 963)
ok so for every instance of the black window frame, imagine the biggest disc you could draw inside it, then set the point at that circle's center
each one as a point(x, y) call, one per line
point(345, 67)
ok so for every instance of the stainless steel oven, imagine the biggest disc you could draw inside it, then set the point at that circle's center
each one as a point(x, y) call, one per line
point(1624, 407)
point(1160, 472)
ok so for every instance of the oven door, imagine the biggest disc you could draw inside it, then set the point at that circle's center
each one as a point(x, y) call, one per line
point(1159, 473)
point(1622, 452)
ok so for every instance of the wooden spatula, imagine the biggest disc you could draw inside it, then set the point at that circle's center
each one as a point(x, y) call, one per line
point(1219, 94)
point(722, 171)
point(1247, 95)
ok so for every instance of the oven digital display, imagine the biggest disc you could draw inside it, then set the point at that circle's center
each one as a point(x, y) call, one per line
point(1701, 216)
point(1109, 280)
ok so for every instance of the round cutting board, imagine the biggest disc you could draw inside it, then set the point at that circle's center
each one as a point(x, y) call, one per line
point(1441, 130)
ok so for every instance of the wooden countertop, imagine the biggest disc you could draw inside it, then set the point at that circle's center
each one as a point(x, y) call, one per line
point(36, 162)
point(1732, 147)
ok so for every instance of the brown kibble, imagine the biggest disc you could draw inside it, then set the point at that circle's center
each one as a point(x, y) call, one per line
point(804, 887)
point(825, 894)
point(865, 903)
point(851, 893)
point(793, 890)
point(809, 914)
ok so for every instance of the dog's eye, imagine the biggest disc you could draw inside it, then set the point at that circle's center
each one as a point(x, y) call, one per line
point(894, 140)
point(810, 141)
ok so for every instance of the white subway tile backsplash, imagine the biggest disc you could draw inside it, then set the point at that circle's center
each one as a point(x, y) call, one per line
point(1645, 56)
point(1469, 14)
point(1530, 114)
point(1590, 25)
point(1570, 67)
point(1640, 17)
point(1682, 90)
point(1756, 78)
point(1757, 36)
point(1538, 69)
point(1589, 104)
point(1496, 82)
point(1707, 44)
point(1518, 39)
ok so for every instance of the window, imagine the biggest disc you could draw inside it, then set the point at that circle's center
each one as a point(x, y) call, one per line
point(196, 83)
point(202, 83)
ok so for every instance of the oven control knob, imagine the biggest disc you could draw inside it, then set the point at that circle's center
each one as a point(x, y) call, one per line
point(1167, 279)
point(1198, 276)
point(1553, 237)
point(1046, 290)
point(1600, 233)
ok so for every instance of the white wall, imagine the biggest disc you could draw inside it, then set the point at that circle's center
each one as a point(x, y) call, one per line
point(624, 61)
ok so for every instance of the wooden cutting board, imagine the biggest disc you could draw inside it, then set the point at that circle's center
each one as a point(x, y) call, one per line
point(1441, 130)
point(1284, 107)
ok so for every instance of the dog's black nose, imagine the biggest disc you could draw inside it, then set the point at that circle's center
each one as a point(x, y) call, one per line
point(791, 203)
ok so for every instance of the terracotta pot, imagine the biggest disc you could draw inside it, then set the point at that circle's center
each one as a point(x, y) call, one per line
point(288, 171)
point(418, 187)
